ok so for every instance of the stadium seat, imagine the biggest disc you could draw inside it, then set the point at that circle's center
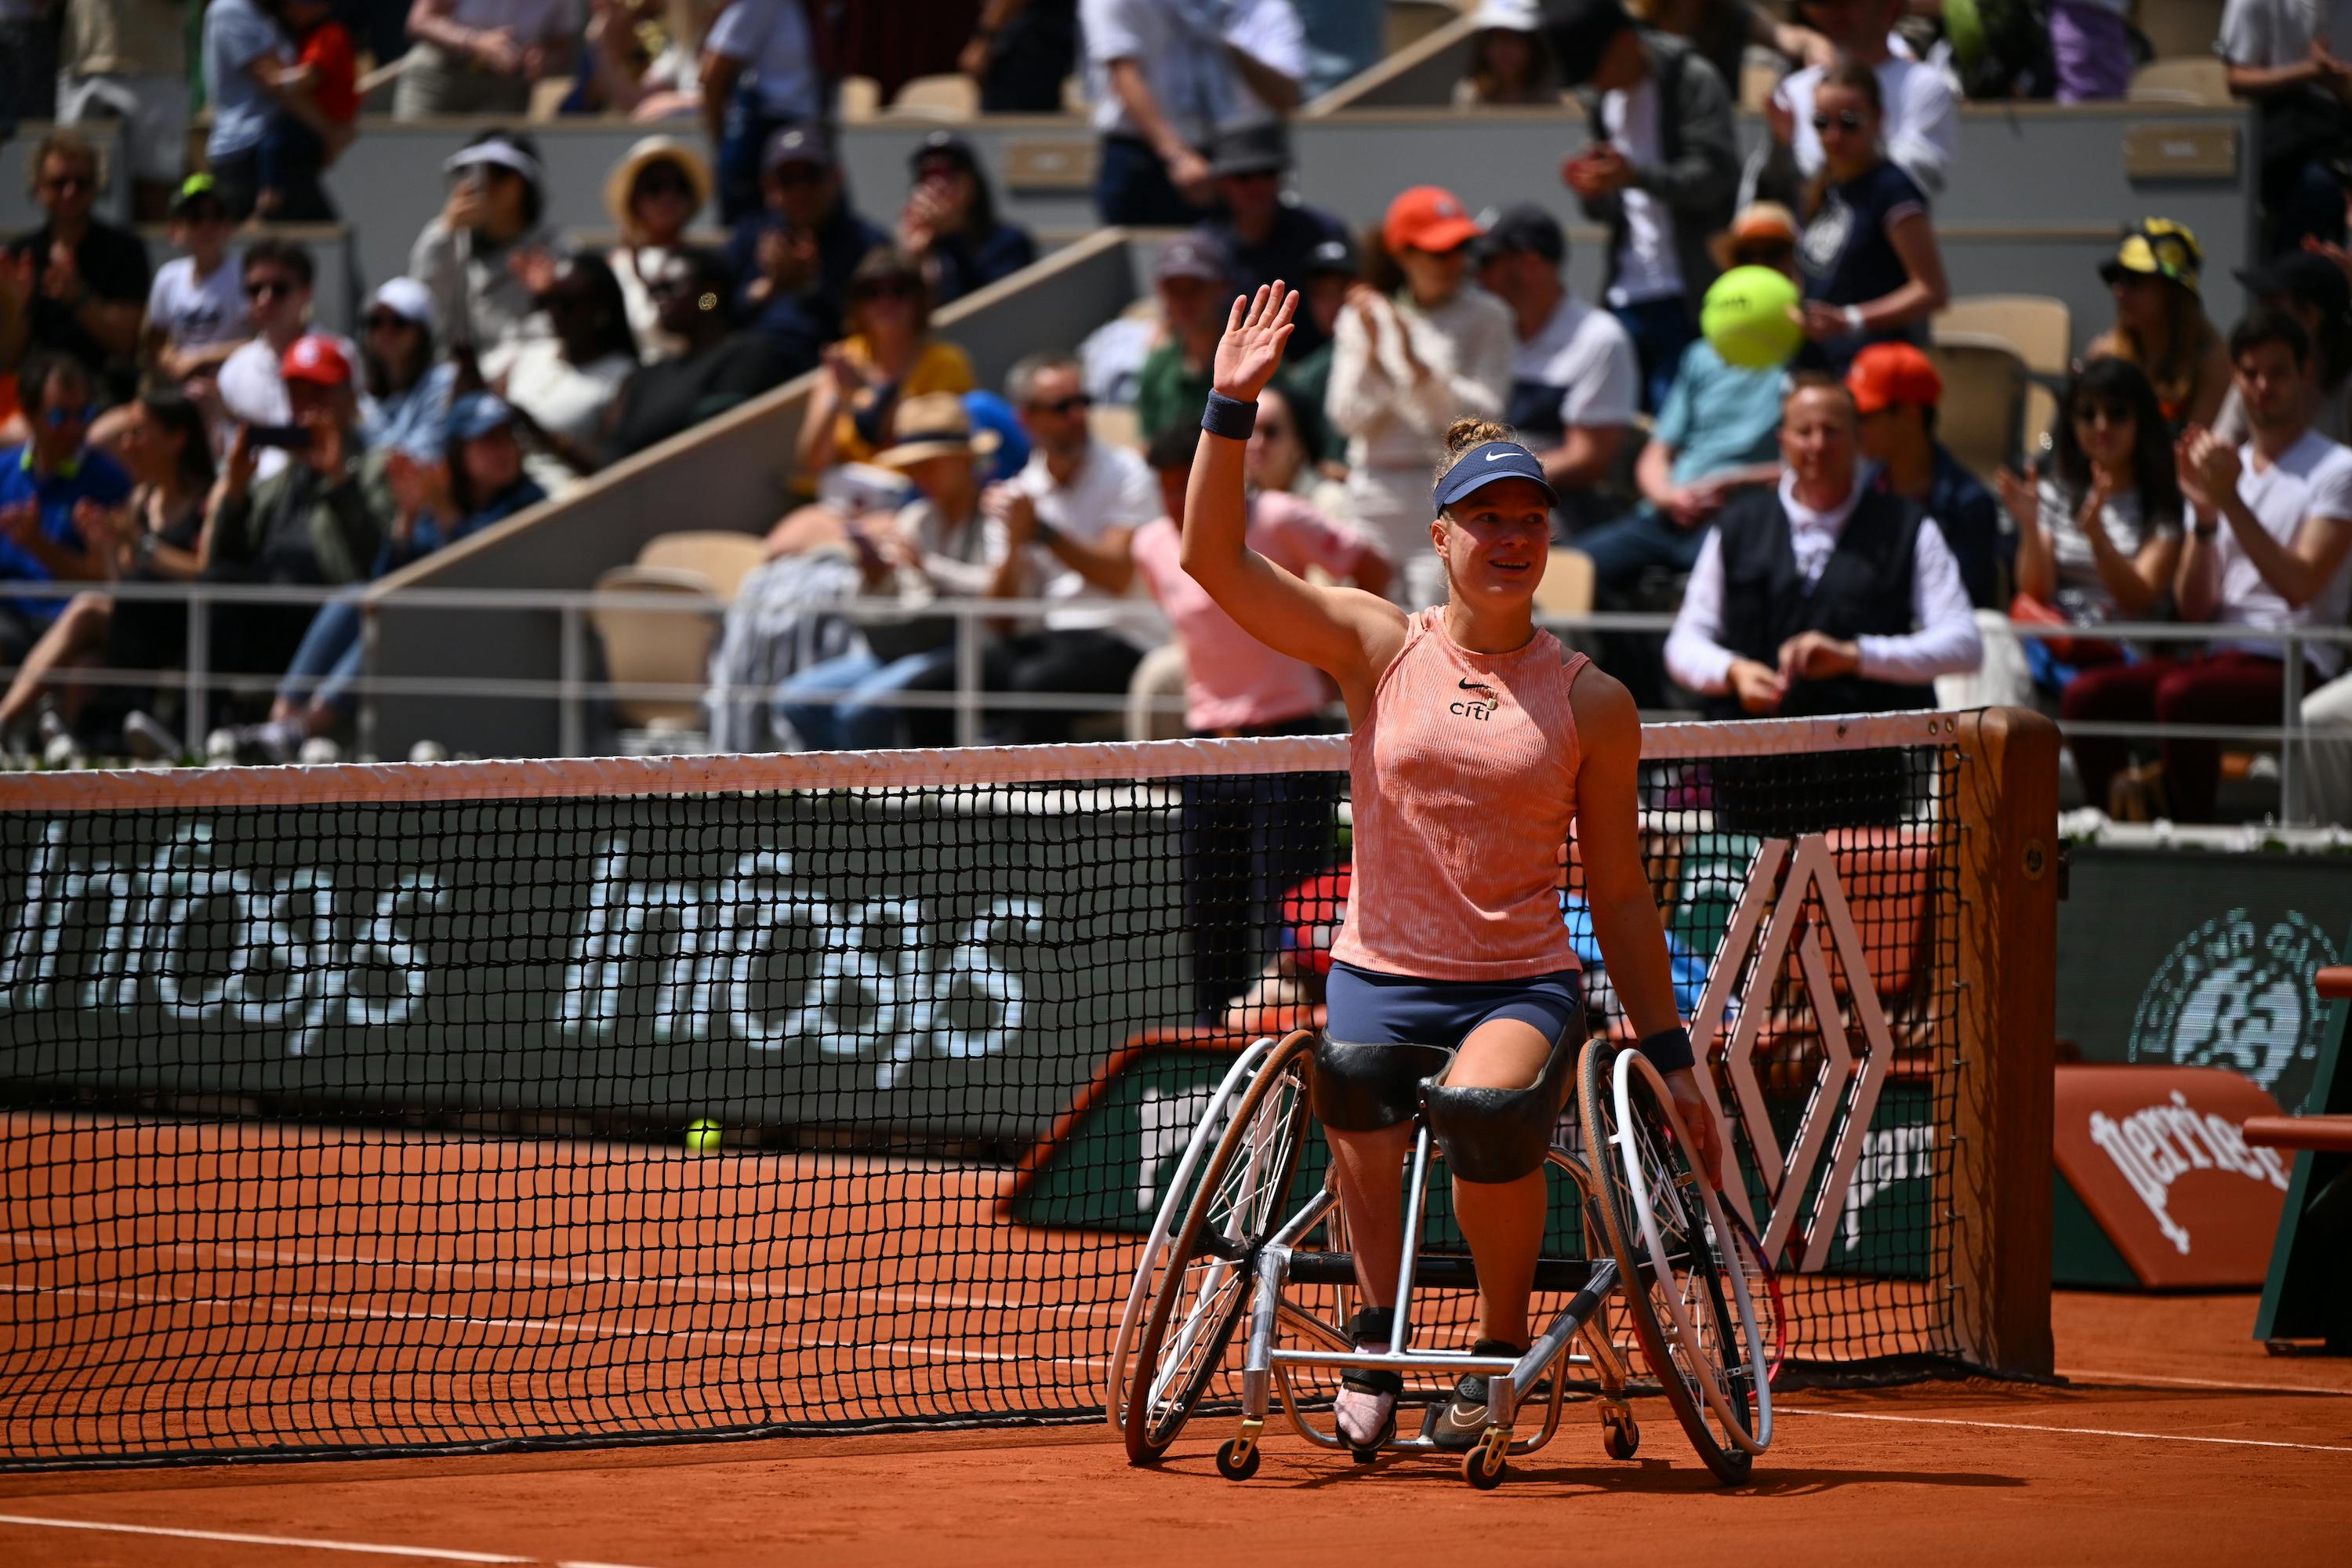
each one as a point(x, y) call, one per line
point(2190, 81)
point(649, 646)
point(1161, 674)
point(2042, 331)
point(1410, 21)
point(1567, 585)
point(1113, 424)
point(861, 100)
point(1984, 400)
point(2180, 29)
point(953, 97)
point(723, 558)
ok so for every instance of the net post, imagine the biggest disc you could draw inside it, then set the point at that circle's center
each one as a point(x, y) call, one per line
point(2003, 786)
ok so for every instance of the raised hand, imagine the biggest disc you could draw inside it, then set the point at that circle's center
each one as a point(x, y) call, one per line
point(1257, 329)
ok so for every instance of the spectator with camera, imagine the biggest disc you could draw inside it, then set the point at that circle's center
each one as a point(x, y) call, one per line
point(793, 260)
point(949, 224)
point(465, 256)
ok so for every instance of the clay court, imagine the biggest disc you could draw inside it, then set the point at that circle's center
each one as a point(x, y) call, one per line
point(2170, 1419)
point(2173, 1436)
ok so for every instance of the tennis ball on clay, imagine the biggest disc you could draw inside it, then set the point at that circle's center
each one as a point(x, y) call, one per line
point(702, 1137)
point(1750, 318)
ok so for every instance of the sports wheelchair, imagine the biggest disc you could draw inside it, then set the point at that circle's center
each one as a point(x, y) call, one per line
point(1234, 1244)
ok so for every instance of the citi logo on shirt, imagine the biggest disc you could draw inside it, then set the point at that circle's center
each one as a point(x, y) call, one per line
point(1481, 709)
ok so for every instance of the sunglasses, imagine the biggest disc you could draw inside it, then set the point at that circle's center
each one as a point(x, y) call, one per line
point(794, 175)
point(1077, 402)
point(269, 289)
point(69, 182)
point(69, 414)
point(387, 321)
point(2102, 413)
point(664, 183)
point(1845, 120)
point(886, 288)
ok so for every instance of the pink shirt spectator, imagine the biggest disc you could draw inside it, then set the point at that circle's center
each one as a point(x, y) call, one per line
point(1232, 680)
point(1463, 783)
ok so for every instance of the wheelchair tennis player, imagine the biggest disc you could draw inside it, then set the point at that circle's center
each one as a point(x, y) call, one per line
point(1477, 742)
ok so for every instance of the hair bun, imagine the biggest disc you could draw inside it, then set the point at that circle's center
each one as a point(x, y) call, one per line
point(1465, 434)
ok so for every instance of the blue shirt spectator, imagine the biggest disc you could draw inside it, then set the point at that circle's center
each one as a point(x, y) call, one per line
point(1719, 418)
point(58, 499)
point(1267, 232)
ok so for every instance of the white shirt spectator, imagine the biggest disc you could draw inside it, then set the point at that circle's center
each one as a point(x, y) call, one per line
point(1188, 74)
point(1270, 33)
point(1946, 642)
point(2083, 594)
point(193, 313)
point(1646, 267)
point(772, 39)
point(237, 33)
point(2280, 32)
point(1589, 356)
point(1395, 421)
point(1112, 489)
point(2311, 479)
point(566, 399)
point(1922, 121)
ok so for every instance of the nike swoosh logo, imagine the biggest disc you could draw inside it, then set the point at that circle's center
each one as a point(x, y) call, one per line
point(1474, 686)
point(1497, 456)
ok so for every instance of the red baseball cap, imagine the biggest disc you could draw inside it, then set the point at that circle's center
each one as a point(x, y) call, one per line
point(318, 360)
point(1428, 218)
point(1885, 374)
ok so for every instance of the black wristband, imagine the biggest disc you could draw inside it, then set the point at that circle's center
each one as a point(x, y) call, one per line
point(1229, 418)
point(1669, 1051)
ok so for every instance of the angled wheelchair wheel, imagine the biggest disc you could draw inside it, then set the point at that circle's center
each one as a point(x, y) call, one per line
point(1688, 1312)
point(1202, 1277)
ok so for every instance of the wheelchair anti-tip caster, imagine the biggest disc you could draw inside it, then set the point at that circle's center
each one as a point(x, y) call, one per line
point(1621, 1435)
point(1483, 1466)
point(1237, 1458)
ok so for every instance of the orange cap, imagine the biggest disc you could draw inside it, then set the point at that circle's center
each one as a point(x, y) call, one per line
point(316, 359)
point(1427, 218)
point(1885, 374)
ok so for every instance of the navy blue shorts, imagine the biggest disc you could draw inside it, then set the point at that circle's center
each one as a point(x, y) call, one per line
point(1365, 1007)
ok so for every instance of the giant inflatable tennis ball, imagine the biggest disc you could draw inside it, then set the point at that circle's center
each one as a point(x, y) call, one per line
point(1750, 318)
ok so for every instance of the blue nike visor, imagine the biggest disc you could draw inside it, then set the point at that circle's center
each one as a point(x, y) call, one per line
point(1483, 465)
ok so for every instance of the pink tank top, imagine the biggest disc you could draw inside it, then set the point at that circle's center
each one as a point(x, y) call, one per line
point(1464, 779)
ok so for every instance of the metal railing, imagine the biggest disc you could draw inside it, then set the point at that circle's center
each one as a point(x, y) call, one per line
point(575, 688)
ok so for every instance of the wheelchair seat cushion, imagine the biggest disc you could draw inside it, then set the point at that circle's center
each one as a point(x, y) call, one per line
point(1365, 1088)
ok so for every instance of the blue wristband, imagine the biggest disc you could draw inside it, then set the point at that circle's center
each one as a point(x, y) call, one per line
point(1669, 1051)
point(1229, 418)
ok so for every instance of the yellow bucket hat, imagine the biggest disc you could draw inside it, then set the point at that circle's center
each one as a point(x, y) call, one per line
point(2157, 248)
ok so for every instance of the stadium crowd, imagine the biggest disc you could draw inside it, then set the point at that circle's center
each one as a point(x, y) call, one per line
point(1780, 486)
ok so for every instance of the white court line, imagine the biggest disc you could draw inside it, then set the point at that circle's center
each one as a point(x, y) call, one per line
point(2229, 1383)
point(234, 1537)
point(898, 1348)
point(537, 1274)
point(2065, 1431)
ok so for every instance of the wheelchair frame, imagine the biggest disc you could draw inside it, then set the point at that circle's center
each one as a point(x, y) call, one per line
point(1262, 1268)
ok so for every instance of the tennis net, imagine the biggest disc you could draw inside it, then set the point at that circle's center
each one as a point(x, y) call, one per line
point(476, 1105)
